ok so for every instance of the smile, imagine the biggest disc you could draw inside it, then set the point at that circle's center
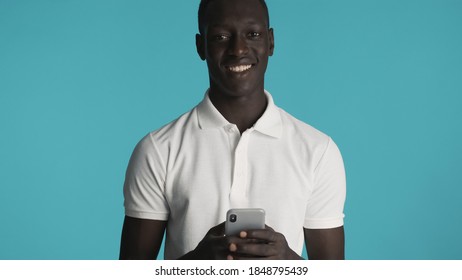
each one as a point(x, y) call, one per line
point(239, 68)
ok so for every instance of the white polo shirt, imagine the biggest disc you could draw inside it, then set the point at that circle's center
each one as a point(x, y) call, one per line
point(192, 170)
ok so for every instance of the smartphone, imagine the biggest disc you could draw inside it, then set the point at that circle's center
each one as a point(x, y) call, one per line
point(239, 219)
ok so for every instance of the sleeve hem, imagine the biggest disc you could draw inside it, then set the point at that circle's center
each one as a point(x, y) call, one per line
point(323, 223)
point(147, 215)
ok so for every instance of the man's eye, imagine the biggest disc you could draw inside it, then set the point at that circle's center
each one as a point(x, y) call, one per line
point(254, 34)
point(221, 37)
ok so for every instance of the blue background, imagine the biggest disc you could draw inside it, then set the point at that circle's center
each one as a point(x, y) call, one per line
point(82, 81)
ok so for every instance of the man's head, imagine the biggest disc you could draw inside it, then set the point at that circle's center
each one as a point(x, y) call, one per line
point(203, 9)
point(236, 41)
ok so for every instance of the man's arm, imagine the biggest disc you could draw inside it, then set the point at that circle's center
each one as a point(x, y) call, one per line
point(141, 238)
point(325, 244)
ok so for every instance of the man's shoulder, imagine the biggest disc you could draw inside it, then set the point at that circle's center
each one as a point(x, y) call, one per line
point(172, 130)
point(298, 128)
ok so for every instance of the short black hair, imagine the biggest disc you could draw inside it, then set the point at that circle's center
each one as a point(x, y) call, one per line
point(203, 9)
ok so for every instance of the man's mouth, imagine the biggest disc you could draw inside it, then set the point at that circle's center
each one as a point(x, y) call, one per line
point(239, 68)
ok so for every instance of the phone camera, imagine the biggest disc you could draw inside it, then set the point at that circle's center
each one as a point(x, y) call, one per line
point(233, 218)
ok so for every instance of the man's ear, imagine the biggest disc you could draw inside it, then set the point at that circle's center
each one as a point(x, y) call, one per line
point(200, 46)
point(271, 41)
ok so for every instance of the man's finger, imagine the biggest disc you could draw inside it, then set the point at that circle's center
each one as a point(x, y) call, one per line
point(254, 249)
point(262, 234)
point(240, 257)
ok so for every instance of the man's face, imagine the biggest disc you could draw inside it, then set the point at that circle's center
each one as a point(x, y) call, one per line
point(236, 43)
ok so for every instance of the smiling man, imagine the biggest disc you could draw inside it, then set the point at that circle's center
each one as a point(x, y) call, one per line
point(236, 149)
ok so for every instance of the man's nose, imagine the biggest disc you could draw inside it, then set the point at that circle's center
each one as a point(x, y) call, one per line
point(238, 46)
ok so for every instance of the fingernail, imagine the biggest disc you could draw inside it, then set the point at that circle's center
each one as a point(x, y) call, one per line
point(232, 247)
point(229, 257)
point(243, 234)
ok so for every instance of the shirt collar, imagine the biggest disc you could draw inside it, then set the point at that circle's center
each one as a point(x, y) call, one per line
point(269, 123)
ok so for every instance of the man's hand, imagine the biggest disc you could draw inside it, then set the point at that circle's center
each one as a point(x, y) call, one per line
point(261, 244)
point(214, 246)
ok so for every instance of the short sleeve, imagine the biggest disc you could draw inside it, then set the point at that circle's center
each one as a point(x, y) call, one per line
point(144, 187)
point(325, 205)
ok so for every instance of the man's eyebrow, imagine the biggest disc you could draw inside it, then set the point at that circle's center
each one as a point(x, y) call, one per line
point(218, 25)
point(251, 23)
point(254, 22)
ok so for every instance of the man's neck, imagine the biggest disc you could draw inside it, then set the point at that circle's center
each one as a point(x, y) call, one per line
point(242, 111)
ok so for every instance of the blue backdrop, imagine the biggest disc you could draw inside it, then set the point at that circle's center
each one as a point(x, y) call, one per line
point(82, 81)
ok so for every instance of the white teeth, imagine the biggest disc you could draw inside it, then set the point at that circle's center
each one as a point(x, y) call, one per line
point(240, 68)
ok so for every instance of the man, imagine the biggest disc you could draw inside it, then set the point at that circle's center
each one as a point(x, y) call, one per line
point(236, 149)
